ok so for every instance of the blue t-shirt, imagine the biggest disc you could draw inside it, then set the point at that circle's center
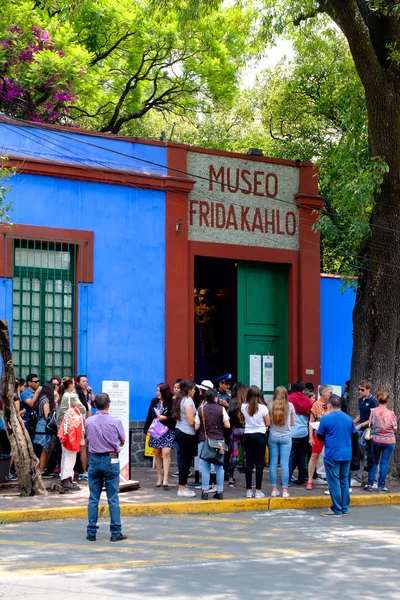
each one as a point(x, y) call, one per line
point(26, 394)
point(337, 428)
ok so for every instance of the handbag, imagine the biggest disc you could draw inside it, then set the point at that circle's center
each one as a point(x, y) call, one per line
point(213, 451)
point(367, 434)
point(157, 429)
point(51, 423)
point(368, 431)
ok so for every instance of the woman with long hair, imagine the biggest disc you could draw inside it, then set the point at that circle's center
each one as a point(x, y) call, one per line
point(280, 439)
point(161, 409)
point(383, 428)
point(69, 398)
point(239, 395)
point(44, 404)
point(256, 418)
point(211, 420)
point(184, 413)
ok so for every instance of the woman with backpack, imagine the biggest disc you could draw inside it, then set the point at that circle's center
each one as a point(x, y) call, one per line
point(69, 400)
point(44, 404)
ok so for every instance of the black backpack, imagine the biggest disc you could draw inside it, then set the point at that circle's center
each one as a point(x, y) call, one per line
point(32, 422)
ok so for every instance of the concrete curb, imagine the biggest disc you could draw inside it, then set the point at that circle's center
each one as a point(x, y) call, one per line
point(194, 507)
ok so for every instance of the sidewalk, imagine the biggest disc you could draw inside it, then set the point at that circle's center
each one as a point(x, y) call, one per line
point(151, 500)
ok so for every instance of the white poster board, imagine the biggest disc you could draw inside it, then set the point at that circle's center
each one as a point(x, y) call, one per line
point(255, 370)
point(119, 408)
point(268, 373)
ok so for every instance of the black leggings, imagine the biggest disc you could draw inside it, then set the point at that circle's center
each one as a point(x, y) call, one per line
point(254, 445)
point(187, 447)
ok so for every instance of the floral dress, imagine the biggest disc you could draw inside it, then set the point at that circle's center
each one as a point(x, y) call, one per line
point(167, 440)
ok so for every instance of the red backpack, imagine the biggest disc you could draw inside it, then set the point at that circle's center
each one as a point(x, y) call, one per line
point(71, 428)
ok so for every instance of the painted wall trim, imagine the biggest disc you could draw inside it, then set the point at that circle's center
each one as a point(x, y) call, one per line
point(84, 241)
point(34, 166)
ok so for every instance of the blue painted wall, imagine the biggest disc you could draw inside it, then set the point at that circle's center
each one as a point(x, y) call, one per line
point(124, 307)
point(336, 331)
point(65, 146)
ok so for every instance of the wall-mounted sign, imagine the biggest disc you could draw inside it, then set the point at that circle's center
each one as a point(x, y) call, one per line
point(268, 373)
point(255, 370)
point(245, 202)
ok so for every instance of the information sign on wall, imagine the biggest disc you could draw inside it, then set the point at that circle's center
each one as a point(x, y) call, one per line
point(119, 408)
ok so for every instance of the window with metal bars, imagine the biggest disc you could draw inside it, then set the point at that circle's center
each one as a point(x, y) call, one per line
point(43, 309)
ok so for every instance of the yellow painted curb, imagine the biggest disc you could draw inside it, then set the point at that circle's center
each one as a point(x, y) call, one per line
point(194, 507)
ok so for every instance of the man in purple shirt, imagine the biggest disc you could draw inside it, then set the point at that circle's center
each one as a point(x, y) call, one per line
point(105, 436)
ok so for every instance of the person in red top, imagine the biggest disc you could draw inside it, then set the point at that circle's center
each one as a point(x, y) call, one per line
point(302, 407)
point(383, 427)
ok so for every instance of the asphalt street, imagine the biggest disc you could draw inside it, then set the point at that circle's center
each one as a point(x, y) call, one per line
point(275, 555)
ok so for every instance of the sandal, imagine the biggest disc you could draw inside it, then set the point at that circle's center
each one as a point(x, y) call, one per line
point(308, 485)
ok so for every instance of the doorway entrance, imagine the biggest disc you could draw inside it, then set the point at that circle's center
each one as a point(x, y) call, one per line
point(241, 321)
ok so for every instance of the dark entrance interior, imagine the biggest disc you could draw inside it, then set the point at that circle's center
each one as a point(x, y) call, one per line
point(215, 317)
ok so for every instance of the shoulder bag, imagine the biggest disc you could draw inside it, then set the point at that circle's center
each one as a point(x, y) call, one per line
point(368, 431)
point(213, 451)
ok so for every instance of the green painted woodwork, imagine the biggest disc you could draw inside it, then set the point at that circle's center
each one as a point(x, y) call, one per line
point(263, 318)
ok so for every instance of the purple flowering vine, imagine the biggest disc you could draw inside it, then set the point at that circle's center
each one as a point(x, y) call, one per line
point(47, 101)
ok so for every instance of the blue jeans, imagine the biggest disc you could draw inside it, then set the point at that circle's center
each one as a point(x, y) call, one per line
point(337, 476)
point(205, 472)
point(279, 445)
point(382, 453)
point(103, 472)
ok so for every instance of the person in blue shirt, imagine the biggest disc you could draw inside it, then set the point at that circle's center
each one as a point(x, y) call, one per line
point(338, 432)
point(27, 401)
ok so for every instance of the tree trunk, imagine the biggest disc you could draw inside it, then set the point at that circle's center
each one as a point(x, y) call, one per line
point(26, 462)
point(376, 316)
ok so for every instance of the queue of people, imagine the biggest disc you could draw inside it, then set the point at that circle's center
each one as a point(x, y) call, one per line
point(42, 409)
point(291, 430)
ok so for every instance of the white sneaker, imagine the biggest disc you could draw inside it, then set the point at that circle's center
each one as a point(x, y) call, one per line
point(355, 483)
point(320, 481)
point(327, 493)
point(375, 486)
point(186, 493)
point(249, 494)
point(275, 494)
point(285, 495)
point(350, 491)
point(259, 495)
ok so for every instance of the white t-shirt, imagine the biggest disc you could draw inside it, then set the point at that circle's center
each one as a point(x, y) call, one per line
point(255, 423)
point(183, 424)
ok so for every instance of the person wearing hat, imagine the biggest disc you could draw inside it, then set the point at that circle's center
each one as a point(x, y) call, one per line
point(224, 386)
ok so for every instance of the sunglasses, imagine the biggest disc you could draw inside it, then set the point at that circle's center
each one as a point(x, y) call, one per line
point(361, 389)
point(35, 380)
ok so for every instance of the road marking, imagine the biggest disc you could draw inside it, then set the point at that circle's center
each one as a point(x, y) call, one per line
point(97, 548)
point(221, 519)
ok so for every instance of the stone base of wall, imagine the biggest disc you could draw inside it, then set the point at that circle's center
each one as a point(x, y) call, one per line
point(138, 459)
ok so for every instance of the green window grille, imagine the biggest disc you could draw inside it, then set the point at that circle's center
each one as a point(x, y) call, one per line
point(43, 308)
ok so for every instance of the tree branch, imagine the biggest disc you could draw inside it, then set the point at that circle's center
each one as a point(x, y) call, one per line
point(107, 52)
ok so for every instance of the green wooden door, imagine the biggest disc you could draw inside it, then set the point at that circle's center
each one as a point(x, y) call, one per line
point(262, 325)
